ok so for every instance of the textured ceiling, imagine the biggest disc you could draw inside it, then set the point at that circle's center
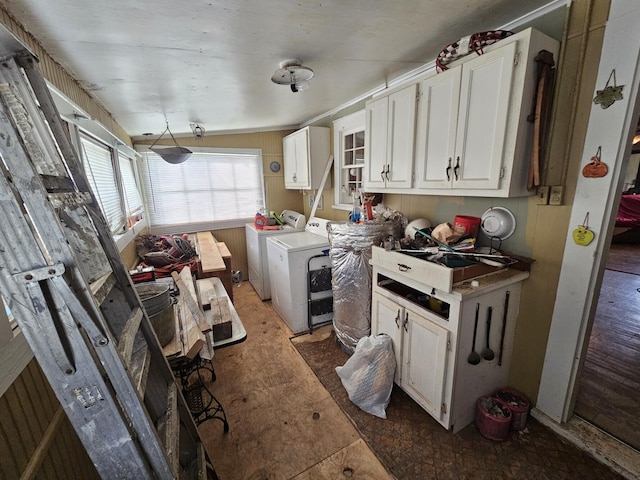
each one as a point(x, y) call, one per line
point(210, 61)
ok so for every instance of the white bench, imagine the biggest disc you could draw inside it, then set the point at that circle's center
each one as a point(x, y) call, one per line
point(213, 287)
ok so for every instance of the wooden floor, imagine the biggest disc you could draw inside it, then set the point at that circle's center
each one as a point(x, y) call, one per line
point(283, 422)
point(609, 388)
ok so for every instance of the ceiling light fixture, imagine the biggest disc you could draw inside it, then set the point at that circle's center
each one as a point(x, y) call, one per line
point(293, 73)
point(198, 130)
point(175, 154)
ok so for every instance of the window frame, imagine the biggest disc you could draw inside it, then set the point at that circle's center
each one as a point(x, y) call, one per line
point(342, 127)
point(109, 206)
point(213, 224)
point(101, 135)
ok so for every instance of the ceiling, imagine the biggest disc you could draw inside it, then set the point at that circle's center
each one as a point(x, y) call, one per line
point(210, 62)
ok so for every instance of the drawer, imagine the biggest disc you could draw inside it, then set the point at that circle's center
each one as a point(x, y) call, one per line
point(418, 270)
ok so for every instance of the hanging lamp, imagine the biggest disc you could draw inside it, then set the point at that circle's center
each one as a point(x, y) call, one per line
point(170, 154)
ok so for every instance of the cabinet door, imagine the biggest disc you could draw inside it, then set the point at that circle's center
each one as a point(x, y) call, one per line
point(400, 147)
point(377, 120)
point(424, 366)
point(482, 119)
point(436, 129)
point(296, 160)
point(386, 317)
point(348, 145)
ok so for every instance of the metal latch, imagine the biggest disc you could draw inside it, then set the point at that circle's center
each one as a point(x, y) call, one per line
point(39, 274)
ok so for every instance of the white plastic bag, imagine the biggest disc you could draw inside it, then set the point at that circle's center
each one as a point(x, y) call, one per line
point(367, 375)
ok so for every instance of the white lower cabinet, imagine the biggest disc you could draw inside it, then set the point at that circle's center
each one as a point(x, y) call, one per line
point(432, 335)
point(424, 362)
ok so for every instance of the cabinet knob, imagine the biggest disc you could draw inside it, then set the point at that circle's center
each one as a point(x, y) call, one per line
point(398, 319)
point(382, 173)
point(403, 268)
point(448, 170)
point(386, 174)
point(457, 167)
point(406, 320)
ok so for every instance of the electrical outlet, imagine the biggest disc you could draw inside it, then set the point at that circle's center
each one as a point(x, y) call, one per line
point(555, 196)
point(542, 194)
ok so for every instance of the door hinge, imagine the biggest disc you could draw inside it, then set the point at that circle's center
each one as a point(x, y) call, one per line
point(449, 345)
point(501, 172)
point(443, 408)
point(516, 59)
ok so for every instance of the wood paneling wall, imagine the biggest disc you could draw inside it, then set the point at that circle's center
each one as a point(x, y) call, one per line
point(38, 442)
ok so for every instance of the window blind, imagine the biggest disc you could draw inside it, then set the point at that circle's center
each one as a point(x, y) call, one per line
point(213, 186)
point(98, 167)
point(133, 200)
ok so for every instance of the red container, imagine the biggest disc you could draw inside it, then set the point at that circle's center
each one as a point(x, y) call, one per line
point(463, 225)
point(518, 404)
point(493, 418)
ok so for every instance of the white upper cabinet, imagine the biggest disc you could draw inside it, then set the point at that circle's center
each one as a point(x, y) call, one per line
point(473, 137)
point(462, 123)
point(389, 140)
point(306, 153)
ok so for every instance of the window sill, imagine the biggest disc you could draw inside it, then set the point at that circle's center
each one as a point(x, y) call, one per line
point(341, 206)
point(126, 238)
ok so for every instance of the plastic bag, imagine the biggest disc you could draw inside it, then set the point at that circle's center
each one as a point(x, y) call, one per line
point(367, 375)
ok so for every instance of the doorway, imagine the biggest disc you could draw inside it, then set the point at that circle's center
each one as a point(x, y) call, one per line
point(609, 385)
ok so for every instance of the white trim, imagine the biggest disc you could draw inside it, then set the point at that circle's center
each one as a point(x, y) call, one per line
point(73, 114)
point(199, 227)
point(611, 130)
point(141, 148)
point(618, 456)
point(237, 131)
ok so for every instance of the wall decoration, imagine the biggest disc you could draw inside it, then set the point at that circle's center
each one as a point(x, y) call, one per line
point(610, 93)
point(595, 168)
point(582, 235)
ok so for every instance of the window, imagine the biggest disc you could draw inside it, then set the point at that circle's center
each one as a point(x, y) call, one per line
point(98, 167)
point(214, 188)
point(132, 199)
point(349, 156)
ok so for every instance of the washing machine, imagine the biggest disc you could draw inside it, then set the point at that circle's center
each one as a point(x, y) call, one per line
point(257, 249)
point(291, 259)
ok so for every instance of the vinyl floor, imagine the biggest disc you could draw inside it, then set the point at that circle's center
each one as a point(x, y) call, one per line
point(290, 418)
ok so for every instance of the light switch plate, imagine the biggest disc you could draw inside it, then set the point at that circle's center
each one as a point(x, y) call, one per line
point(542, 194)
point(555, 196)
point(312, 198)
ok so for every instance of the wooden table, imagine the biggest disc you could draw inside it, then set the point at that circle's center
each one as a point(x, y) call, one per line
point(214, 259)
